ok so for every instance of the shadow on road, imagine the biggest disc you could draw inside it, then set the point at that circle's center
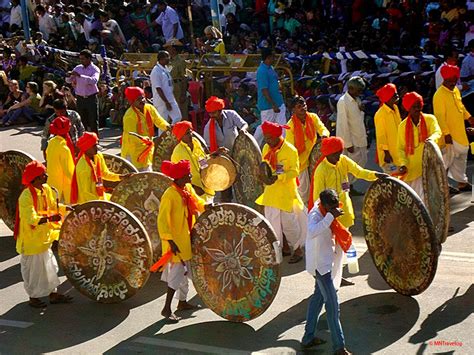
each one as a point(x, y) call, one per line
point(7, 247)
point(461, 220)
point(367, 267)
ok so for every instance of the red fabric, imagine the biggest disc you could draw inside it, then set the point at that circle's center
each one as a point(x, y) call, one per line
point(165, 258)
point(409, 136)
point(212, 135)
point(271, 156)
point(180, 129)
point(214, 104)
point(150, 131)
point(87, 141)
point(341, 234)
point(176, 170)
point(410, 99)
point(191, 203)
point(142, 158)
point(450, 71)
point(96, 177)
point(16, 229)
point(309, 132)
point(132, 93)
point(273, 129)
point(386, 92)
point(60, 127)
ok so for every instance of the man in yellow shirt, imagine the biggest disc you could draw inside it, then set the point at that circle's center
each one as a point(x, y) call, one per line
point(451, 114)
point(141, 119)
point(387, 119)
point(37, 225)
point(60, 158)
point(412, 134)
point(189, 148)
point(305, 129)
point(284, 208)
point(179, 208)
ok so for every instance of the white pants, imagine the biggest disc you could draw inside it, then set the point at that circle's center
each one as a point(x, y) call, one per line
point(359, 156)
point(294, 225)
point(174, 275)
point(40, 274)
point(455, 161)
point(303, 189)
point(172, 116)
point(270, 115)
point(417, 185)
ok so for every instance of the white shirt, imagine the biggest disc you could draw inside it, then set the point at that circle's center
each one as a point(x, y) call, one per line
point(115, 29)
point(160, 77)
point(229, 8)
point(439, 78)
point(46, 25)
point(167, 20)
point(225, 136)
point(350, 122)
point(15, 16)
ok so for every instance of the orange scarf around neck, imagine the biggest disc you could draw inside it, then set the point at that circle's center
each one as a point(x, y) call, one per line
point(96, 174)
point(212, 135)
point(342, 235)
point(34, 195)
point(309, 132)
point(191, 203)
point(409, 135)
point(150, 131)
point(271, 155)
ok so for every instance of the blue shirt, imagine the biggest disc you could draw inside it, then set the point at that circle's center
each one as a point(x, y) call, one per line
point(267, 78)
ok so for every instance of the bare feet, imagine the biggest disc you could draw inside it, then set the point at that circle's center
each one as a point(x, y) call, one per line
point(185, 306)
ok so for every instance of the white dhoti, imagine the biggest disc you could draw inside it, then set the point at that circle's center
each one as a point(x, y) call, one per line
point(270, 115)
point(292, 224)
point(176, 275)
point(40, 274)
point(359, 156)
point(417, 185)
point(455, 161)
point(303, 188)
point(173, 115)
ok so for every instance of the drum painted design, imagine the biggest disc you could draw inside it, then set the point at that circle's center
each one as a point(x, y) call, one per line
point(12, 165)
point(234, 265)
point(313, 158)
point(117, 165)
point(400, 236)
point(105, 251)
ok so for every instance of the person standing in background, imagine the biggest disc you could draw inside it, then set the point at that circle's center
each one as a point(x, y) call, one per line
point(178, 74)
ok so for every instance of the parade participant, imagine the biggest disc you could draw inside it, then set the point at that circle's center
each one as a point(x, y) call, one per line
point(60, 158)
point(323, 260)
point(451, 114)
point(178, 74)
point(87, 181)
point(189, 148)
point(387, 119)
point(179, 208)
point(305, 129)
point(412, 134)
point(37, 225)
point(284, 208)
point(141, 119)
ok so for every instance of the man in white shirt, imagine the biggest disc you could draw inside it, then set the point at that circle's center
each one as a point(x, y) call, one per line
point(15, 14)
point(46, 23)
point(169, 22)
point(162, 86)
point(451, 57)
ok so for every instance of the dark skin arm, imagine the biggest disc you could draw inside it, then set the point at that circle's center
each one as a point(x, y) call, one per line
point(53, 218)
point(266, 93)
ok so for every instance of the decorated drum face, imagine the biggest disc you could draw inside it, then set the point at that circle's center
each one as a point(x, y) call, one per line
point(105, 251)
point(219, 174)
point(141, 195)
point(234, 265)
point(400, 236)
point(12, 165)
point(435, 185)
point(117, 165)
point(313, 158)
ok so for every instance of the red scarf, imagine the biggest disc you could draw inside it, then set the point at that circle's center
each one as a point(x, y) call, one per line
point(191, 203)
point(342, 235)
point(212, 135)
point(409, 136)
point(96, 177)
point(151, 132)
point(34, 195)
point(309, 131)
point(271, 155)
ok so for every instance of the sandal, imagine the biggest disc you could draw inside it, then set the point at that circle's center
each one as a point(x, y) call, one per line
point(295, 259)
point(37, 303)
point(57, 298)
point(314, 342)
point(172, 319)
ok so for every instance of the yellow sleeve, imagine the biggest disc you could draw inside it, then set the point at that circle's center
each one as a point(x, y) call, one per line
point(292, 171)
point(106, 173)
point(401, 144)
point(320, 127)
point(356, 170)
point(67, 163)
point(27, 210)
point(439, 108)
point(84, 182)
point(52, 203)
point(380, 131)
point(165, 216)
point(129, 125)
point(158, 121)
point(290, 135)
point(179, 153)
point(434, 131)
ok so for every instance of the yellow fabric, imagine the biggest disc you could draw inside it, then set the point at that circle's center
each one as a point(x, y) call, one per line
point(451, 113)
point(60, 167)
point(386, 132)
point(183, 152)
point(33, 238)
point(330, 176)
point(220, 48)
point(133, 146)
point(320, 129)
point(414, 162)
point(173, 222)
point(85, 184)
point(283, 194)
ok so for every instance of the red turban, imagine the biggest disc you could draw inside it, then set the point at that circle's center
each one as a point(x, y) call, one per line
point(180, 129)
point(132, 93)
point(214, 104)
point(32, 171)
point(273, 129)
point(410, 99)
point(386, 92)
point(331, 145)
point(176, 170)
point(450, 71)
point(60, 126)
point(87, 141)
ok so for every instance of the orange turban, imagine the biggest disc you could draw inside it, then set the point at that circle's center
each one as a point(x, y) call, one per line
point(132, 93)
point(410, 99)
point(450, 71)
point(60, 126)
point(214, 104)
point(32, 171)
point(273, 129)
point(176, 170)
point(87, 141)
point(386, 92)
point(180, 129)
point(331, 145)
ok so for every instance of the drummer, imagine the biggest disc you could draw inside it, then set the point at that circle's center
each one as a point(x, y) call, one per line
point(87, 182)
point(179, 208)
point(305, 129)
point(189, 148)
point(141, 119)
point(412, 134)
point(284, 208)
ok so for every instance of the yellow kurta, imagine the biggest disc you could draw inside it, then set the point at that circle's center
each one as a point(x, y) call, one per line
point(132, 146)
point(85, 184)
point(386, 132)
point(283, 194)
point(451, 113)
point(173, 222)
point(330, 176)
point(33, 238)
point(183, 152)
point(290, 137)
point(60, 167)
point(413, 162)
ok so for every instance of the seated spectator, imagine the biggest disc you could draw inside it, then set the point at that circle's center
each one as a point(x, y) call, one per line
point(25, 70)
point(105, 103)
point(24, 110)
point(214, 43)
point(244, 104)
point(50, 93)
point(70, 99)
point(15, 96)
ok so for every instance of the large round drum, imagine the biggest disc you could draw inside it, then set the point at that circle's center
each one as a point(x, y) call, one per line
point(141, 195)
point(313, 158)
point(105, 251)
point(234, 265)
point(435, 185)
point(219, 174)
point(117, 165)
point(248, 186)
point(12, 165)
point(400, 236)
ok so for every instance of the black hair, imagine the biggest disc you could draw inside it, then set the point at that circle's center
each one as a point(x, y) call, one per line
point(86, 53)
point(266, 52)
point(297, 100)
point(59, 104)
point(329, 197)
point(33, 86)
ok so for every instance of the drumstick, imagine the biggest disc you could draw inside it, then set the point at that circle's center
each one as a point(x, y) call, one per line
point(138, 136)
point(57, 198)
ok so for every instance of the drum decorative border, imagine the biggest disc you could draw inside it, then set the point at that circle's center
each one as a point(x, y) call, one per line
point(220, 173)
point(313, 158)
point(118, 165)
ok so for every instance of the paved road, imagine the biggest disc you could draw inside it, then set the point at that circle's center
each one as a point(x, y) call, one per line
point(375, 318)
